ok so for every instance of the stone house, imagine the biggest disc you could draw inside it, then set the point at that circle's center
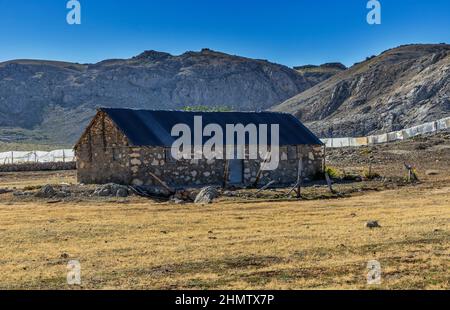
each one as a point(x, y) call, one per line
point(133, 147)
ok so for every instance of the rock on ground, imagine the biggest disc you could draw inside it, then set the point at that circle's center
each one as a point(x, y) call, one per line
point(49, 191)
point(46, 191)
point(5, 191)
point(206, 195)
point(372, 224)
point(111, 190)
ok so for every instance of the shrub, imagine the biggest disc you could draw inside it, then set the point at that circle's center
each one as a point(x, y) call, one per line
point(201, 108)
point(334, 173)
point(370, 175)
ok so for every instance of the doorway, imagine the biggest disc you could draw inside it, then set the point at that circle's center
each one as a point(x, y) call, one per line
point(236, 171)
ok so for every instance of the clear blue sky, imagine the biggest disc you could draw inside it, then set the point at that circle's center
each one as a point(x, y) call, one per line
point(290, 32)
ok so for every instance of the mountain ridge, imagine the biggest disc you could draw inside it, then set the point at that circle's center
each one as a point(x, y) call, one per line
point(58, 98)
point(402, 87)
point(52, 101)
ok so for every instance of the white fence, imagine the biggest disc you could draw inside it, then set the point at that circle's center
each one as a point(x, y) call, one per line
point(391, 136)
point(36, 157)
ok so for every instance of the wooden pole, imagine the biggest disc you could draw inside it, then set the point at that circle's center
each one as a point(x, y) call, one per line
point(299, 183)
point(258, 175)
point(265, 187)
point(161, 182)
point(330, 184)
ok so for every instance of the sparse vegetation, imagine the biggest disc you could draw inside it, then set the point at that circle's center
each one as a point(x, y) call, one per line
point(27, 147)
point(269, 241)
point(334, 173)
point(371, 175)
point(18, 139)
point(322, 244)
point(203, 108)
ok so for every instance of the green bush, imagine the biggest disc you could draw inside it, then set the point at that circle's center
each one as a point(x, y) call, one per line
point(334, 173)
point(203, 108)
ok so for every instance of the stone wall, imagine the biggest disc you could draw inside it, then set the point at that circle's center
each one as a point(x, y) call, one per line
point(313, 159)
point(157, 160)
point(104, 156)
point(145, 161)
point(38, 167)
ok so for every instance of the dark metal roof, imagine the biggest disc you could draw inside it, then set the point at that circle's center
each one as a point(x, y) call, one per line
point(153, 128)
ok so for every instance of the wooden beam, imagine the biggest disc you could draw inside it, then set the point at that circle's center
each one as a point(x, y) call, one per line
point(258, 175)
point(265, 187)
point(299, 183)
point(161, 182)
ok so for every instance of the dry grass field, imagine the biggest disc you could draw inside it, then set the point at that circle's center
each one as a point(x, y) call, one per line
point(135, 243)
point(323, 244)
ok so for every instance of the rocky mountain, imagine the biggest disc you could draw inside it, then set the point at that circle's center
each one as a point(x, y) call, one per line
point(401, 87)
point(320, 73)
point(52, 102)
point(55, 100)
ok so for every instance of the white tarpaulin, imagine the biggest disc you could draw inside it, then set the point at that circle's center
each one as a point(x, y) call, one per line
point(327, 142)
point(395, 136)
point(340, 142)
point(36, 157)
point(443, 123)
point(391, 136)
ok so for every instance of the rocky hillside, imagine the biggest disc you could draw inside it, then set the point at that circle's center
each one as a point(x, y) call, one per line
point(55, 100)
point(320, 73)
point(402, 87)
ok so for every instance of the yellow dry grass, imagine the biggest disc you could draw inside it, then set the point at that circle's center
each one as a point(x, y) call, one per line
point(20, 180)
point(138, 244)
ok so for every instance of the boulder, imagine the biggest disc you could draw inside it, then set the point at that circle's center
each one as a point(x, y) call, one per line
point(111, 190)
point(122, 192)
point(372, 224)
point(206, 195)
point(46, 191)
point(185, 195)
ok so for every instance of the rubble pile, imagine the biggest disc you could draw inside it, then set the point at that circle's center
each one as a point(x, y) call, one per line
point(111, 190)
point(207, 195)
